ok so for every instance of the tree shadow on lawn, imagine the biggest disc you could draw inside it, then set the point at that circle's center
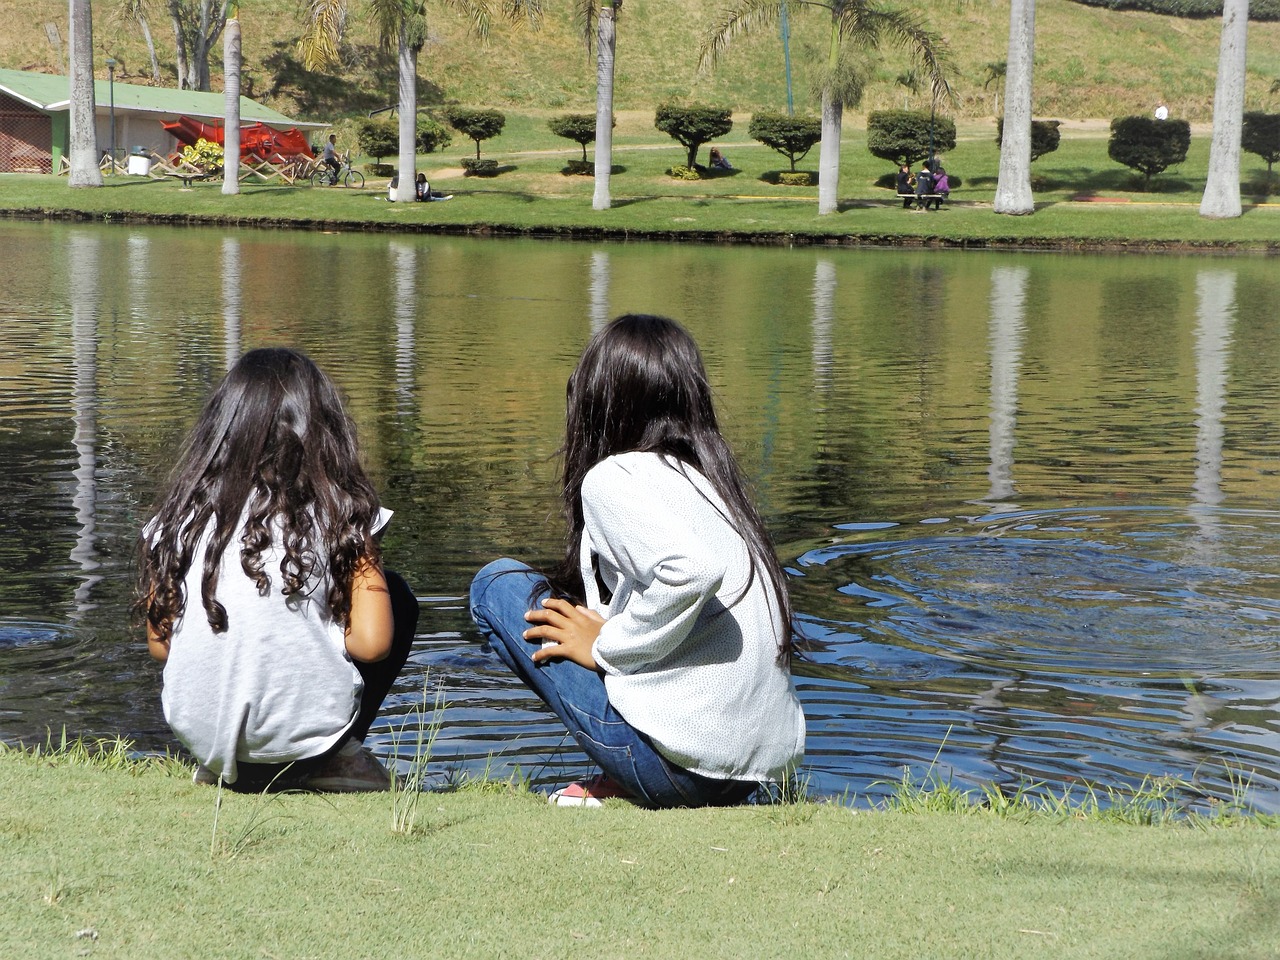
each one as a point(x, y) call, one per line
point(616, 169)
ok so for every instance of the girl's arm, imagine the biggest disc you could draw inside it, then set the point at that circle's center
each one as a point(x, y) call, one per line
point(368, 636)
point(159, 649)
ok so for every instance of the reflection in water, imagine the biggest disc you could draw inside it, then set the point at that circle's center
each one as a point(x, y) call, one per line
point(1081, 636)
point(1008, 300)
point(1216, 296)
point(231, 293)
point(824, 295)
point(83, 254)
point(405, 298)
point(599, 289)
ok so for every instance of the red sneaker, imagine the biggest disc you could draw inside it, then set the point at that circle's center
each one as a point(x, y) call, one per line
point(589, 793)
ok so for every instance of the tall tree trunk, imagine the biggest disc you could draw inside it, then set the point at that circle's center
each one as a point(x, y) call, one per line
point(832, 119)
point(829, 155)
point(407, 60)
point(1222, 189)
point(85, 171)
point(180, 55)
point(606, 41)
point(1013, 186)
point(151, 50)
point(231, 96)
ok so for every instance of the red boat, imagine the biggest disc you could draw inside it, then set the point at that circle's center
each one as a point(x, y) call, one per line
point(257, 140)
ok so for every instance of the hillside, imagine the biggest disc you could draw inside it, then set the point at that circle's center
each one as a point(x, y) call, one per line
point(1090, 62)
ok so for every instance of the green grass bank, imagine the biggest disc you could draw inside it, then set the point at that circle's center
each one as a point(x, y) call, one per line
point(1084, 199)
point(123, 860)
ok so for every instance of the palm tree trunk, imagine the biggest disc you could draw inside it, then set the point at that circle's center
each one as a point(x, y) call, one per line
point(1013, 186)
point(606, 41)
point(85, 171)
point(231, 95)
point(829, 155)
point(407, 59)
point(1222, 189)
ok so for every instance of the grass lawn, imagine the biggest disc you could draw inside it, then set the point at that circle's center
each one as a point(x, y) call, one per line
point(122, 861)
point(1083, 198)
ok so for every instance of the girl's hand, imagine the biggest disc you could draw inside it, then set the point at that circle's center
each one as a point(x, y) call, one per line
point(572, 629)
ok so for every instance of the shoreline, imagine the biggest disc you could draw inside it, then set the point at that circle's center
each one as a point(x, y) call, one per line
point(613, 234)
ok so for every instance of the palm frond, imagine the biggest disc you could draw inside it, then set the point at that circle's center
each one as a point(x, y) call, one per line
point(584, 16)
point(869, 27)
point(476, 12)
point(528, 12)
point(743, 18)
point(322, 25)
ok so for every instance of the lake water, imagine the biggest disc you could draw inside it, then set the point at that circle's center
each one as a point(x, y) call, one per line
point(1029, 501)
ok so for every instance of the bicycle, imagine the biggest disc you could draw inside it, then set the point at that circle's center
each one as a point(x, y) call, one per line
point(346, 175)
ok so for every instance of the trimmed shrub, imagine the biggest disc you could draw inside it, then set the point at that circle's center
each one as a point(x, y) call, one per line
point(1044, 136)
point(682, 172)
point(905, 136)
point(578, 127)
point(471, 167)
point(693, 125)
point(380, 169)
point(794, 179)
point(1261, 136)
point(432, 135)
point(793, 137)
point(479, 125)
point(1148, 145)
point(378, 137)
point(579, 168)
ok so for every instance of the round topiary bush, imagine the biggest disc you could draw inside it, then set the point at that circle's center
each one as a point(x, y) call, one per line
point(471, 167)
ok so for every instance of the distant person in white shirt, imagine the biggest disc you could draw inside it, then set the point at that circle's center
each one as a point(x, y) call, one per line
point(1162, 112)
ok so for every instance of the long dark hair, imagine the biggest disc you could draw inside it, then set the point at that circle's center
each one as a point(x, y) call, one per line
point(273, 444)
point(641, 386)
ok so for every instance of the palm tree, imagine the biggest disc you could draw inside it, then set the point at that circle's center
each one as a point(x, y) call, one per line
point(404, 24)
point(231, 63)
point(1222, 188)
point(1013, 185)
point(910, 82)
point(996, 71)
point(606, 32)
point(843, 76)
point(83, 151)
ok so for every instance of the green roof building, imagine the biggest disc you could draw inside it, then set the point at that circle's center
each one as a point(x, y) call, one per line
point(35, 125)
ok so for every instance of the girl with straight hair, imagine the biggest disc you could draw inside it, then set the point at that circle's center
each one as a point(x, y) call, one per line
point(663, 639)
point(261, 583)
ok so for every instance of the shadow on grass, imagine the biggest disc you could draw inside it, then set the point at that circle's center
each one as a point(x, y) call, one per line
point(569, 171)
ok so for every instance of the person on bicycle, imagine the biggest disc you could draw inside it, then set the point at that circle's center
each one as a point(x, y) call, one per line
point(330, 158)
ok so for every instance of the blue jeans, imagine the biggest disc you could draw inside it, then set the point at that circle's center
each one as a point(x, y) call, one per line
point(501, 594)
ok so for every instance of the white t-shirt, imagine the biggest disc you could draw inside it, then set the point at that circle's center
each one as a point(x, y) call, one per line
point(277, 685)
point(689, 659)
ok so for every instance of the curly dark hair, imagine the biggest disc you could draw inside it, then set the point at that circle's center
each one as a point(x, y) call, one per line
point(273, 453)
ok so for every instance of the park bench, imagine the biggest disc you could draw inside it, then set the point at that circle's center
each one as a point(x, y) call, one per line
point(935, 198)
point(189, 177)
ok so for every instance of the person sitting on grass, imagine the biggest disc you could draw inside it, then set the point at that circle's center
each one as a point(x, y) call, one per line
point(718, 161)
point(663, 639)
point(261, 584)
